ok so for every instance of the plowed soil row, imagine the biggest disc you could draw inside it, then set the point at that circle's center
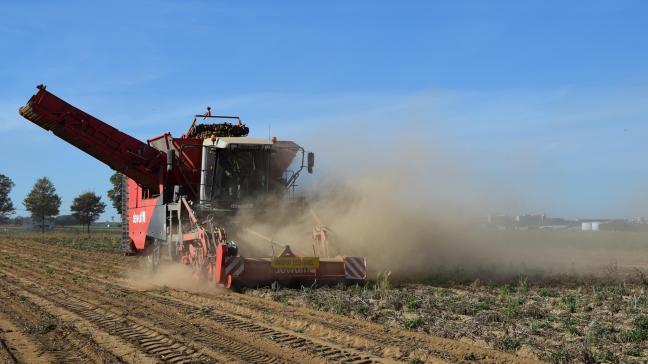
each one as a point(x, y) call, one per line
point(111, 318)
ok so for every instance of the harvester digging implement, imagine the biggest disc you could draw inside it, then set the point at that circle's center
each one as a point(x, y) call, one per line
point(183, 192)
point(320, 236)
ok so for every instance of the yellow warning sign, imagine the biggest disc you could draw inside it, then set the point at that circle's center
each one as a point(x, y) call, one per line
point(295, 262)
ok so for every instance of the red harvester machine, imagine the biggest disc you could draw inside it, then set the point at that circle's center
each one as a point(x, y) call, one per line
point(179, 193)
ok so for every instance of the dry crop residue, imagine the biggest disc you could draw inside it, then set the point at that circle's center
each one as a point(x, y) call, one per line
point(70, 305)
point(567, 319)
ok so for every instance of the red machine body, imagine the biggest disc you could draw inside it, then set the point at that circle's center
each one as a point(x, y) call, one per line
point(179, 193)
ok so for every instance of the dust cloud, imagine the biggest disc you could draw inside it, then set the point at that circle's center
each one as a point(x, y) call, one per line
point(419, 213)
point(176, 276)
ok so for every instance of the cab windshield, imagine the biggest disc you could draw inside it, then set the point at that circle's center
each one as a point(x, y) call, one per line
point(235, 175)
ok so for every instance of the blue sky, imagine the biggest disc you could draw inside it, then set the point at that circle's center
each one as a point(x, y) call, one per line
point(546, 99)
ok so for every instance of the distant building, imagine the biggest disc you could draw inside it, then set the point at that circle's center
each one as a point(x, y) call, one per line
point(527, 221)
point(593, 225)
point(542, 221)
point(530, 221)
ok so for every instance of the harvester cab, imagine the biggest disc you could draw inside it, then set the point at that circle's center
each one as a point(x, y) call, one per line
point(235, 172)
point(179, 194)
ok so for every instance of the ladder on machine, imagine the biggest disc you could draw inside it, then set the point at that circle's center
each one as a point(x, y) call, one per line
point(125, 237)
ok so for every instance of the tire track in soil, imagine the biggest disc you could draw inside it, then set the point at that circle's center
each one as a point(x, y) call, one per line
point(151, 342)
point(378, 339)
point(288, 340)
point(159, 345)
point(16, 346)
point(238, 312)
point(388, 342)
point(61, 342)
point(6, 355)
point(349, 338)
point(240, 350)
point(285, 340)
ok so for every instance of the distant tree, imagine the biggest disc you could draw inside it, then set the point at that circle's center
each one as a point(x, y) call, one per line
point(65, 220)
point(6, 206)
point(87, 207)
point(19, 220)
point(42, 201)
point(115, 193)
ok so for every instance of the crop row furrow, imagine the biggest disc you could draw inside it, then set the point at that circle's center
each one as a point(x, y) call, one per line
point(39, 321)
point(8, 355)
point(281, 338)
point(107, 321)
point(285, 339)
point(140, 335)
point(149, 340)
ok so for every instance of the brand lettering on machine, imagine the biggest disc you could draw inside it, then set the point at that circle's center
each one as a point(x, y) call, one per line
point(139, 218)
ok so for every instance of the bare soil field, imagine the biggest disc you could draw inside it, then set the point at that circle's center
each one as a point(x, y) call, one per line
point(65, 300)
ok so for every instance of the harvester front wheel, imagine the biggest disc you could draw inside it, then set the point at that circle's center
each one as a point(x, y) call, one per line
point(153, 257)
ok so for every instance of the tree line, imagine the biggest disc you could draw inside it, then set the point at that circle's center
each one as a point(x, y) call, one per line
point(43, 202)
